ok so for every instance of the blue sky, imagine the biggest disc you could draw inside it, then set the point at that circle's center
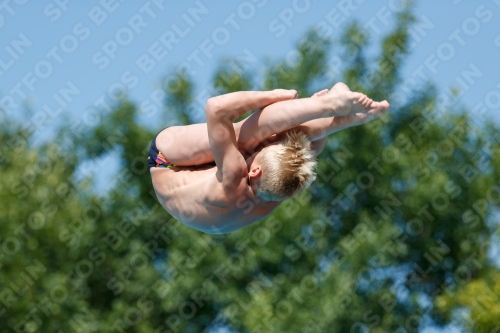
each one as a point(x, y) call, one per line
point(92, 49)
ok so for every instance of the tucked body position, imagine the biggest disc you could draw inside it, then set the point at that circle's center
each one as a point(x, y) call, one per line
point(220, 176)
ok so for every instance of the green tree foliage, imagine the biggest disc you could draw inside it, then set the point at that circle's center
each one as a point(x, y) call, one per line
point(394, 232)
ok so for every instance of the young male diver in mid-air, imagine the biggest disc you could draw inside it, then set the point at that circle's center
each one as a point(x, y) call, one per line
point(259, 161)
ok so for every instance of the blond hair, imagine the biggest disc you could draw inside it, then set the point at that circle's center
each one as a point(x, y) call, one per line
point(287, 168)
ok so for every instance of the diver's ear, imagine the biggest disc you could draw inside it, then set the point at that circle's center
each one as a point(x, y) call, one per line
point(255, 172)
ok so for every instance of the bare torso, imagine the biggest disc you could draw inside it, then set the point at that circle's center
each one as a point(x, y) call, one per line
point(194, 196)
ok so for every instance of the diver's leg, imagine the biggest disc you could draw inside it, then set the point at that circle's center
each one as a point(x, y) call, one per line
point(189, 145)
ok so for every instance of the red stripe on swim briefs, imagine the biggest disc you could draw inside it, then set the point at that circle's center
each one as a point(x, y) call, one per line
point(161, 160)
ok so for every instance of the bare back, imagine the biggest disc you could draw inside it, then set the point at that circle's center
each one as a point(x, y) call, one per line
point(195, 197)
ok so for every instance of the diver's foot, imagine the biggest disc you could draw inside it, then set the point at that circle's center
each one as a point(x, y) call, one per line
point(320, 93)
point(343, 101)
